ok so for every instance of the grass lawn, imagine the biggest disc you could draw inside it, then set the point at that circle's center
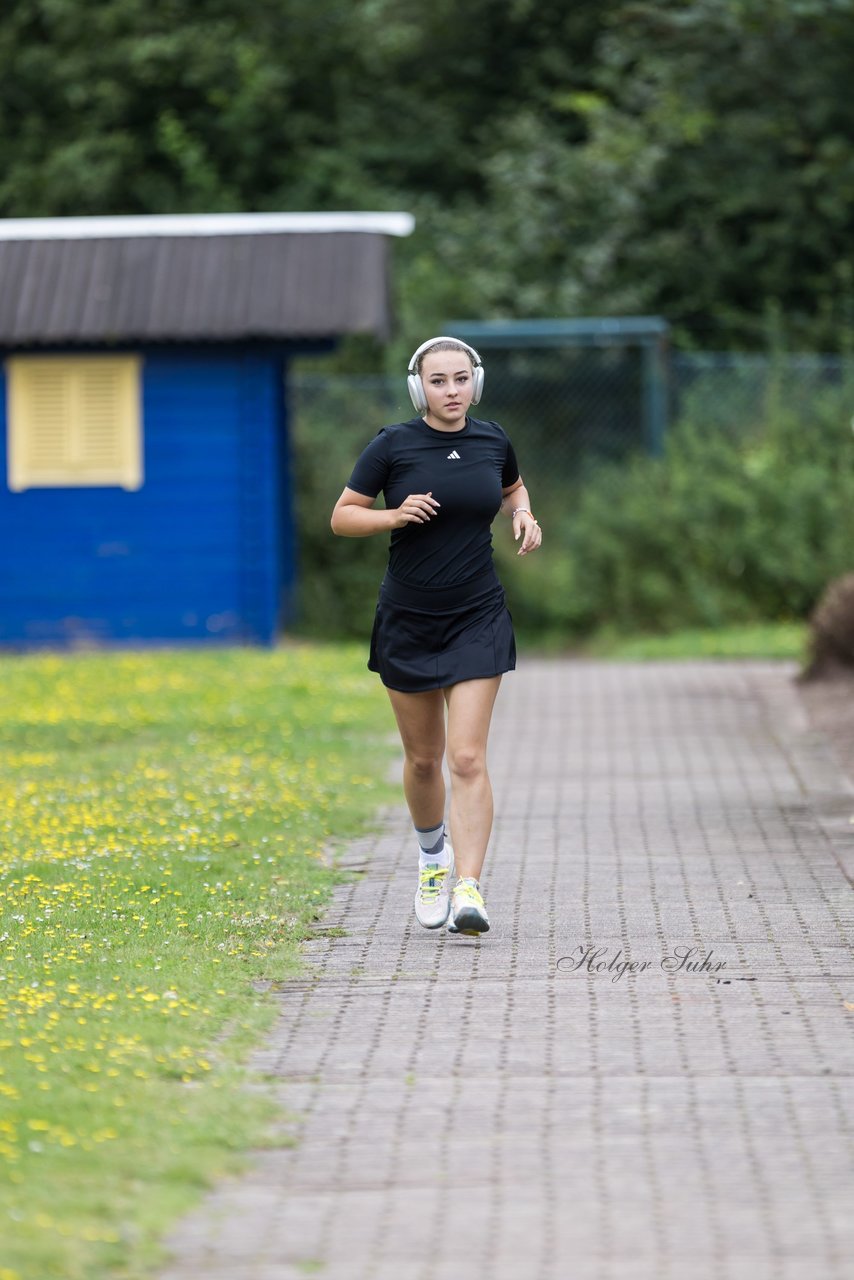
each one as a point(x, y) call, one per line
point(162, 820)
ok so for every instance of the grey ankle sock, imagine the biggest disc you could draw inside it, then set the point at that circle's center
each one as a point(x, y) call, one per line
point(432, 842)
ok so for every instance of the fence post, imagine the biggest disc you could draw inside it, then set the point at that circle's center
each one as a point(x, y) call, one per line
point(655, 393)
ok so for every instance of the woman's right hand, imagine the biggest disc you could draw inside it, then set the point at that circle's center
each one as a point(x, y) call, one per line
point(418, 508)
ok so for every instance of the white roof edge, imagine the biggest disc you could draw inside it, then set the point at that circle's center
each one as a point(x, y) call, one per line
point(202, 224)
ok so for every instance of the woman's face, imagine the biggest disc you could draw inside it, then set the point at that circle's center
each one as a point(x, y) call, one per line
point(446, 377)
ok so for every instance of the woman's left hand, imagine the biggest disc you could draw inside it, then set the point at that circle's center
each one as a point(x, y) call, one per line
point(525, 525)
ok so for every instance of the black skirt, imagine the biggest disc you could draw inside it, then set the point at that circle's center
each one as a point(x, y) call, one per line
point(431, 637)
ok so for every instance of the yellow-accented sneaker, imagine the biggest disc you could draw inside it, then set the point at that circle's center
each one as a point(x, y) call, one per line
point(432, 897)
point(468, 913)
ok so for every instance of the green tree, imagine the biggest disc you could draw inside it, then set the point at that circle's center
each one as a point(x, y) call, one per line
point(721, 161)
point(122, 106)
point(128, 106)
point(692, 158)
point(713, 182)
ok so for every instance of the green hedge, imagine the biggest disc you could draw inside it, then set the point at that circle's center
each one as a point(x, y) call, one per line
point(730, 526)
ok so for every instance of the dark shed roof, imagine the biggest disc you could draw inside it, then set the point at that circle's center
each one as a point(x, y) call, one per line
point(215, 277)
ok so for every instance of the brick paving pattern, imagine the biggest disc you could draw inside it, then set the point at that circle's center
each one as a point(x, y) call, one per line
point(486, 1106)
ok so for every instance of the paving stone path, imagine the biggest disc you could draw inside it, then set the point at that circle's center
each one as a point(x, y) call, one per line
point(518, 1107)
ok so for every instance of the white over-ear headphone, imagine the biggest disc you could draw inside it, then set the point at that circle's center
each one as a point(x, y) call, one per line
point(416, 387)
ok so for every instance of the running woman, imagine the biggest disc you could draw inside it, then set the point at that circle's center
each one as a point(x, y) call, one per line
point(442, 632)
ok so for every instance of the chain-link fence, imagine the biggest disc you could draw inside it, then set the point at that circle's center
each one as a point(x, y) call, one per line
point(569, 413)
point(569, 409)
point(566, 407)
point(740, 394)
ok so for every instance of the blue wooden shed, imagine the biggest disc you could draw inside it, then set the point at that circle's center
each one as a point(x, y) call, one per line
point(147, 493)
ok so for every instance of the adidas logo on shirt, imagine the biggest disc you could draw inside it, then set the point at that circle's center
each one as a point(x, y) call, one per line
point(453, 454)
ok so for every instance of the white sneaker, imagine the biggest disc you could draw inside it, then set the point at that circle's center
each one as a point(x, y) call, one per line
point(432, 897)
point(468, 912)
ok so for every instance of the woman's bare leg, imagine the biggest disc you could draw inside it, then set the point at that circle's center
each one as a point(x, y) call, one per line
point(470, 706)
point(421, 721)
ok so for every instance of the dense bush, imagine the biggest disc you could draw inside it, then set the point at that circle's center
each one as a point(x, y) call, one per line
point(719, 531)
point(831, 637)
point(725, 528)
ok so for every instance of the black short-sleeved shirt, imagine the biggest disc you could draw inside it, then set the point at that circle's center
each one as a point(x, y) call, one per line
point(465, 471)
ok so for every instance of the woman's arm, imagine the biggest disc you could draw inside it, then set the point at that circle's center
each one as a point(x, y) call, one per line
point(516, 498)
point(352, 516)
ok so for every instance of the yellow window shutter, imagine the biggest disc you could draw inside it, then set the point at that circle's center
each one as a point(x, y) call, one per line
point(74, 420)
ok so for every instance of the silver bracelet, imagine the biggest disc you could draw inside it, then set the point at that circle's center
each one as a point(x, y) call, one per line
point(529, 511)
